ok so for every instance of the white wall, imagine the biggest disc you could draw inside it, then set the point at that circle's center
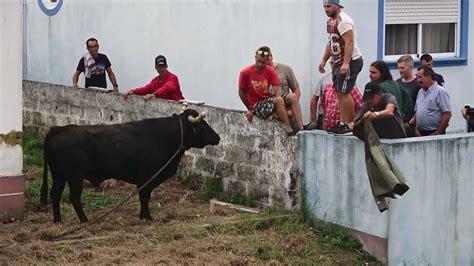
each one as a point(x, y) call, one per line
point(431, 224)
point(10, 84)
point(207, 43)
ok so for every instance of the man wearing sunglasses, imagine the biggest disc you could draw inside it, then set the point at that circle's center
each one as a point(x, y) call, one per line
point(346, 60)
point(94, 65)
point(255, 90)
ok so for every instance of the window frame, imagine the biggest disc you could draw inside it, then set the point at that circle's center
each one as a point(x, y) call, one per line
point(459, 57)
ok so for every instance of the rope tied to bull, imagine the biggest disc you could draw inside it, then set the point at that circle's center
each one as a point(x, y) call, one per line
point(181, 148)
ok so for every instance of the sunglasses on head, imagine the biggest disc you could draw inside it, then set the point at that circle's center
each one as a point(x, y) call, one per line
point(263, 53)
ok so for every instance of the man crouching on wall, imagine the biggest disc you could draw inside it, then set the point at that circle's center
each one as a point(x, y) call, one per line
point(254, 91)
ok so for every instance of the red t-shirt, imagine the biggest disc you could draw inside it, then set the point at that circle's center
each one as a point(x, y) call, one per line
point(257, 84)
point(166, 87)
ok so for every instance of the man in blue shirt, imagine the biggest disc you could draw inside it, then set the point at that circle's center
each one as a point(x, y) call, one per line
point(433, 105)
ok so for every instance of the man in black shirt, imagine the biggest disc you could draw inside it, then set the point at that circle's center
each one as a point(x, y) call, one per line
point(94, 65)
point(427, 60)
point(382, 110)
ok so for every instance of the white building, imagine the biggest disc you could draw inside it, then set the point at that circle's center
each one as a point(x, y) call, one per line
point(207, 42)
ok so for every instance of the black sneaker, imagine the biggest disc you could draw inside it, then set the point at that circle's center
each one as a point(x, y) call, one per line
point(309, 126)
point(342, 129)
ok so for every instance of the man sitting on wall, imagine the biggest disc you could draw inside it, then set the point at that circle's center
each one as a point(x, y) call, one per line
point(164, 86)
point(289, 86)
point(382, 110)
point(255, 92)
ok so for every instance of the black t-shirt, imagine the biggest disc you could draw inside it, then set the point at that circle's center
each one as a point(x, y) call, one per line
point(439, 79)
point(412, 87)
point(97, 71)
point(387, 128)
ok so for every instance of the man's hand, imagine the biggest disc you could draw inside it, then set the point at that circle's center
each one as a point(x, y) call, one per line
point(249, 116)
point(321, 67)
point(115, 88)
point(125, 94)
point(344, 69)
point(148, 96)
point(370, 115)
point(75, 86)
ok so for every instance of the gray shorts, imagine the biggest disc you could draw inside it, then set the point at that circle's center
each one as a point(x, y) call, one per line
point(344, 84)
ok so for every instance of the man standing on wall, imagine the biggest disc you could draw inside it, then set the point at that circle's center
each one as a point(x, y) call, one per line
point(346, 60)
point(254, 91)
point(94, 65)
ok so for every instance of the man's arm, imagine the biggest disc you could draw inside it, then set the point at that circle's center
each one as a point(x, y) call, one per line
point(326, 56)
point(386, 113)
point(348, 38)
point(444, 123)
point(112, 78)
point(313, 107)
point(243, 98)
point(75, 78)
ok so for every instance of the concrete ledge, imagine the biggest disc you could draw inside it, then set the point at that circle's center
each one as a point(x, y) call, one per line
point(430, 225)
point(12, 199)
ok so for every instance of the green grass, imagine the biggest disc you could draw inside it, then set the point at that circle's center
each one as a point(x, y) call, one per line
point(32, 148)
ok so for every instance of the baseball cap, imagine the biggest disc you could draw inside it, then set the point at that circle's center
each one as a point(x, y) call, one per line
point(336, 2)
point(160, 60)
point(370, 90)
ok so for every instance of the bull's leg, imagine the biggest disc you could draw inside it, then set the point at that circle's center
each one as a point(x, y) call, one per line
point(56, 193)
point(145, 196)
point(75, 192)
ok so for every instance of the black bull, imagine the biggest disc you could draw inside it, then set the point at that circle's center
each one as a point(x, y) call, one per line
point(132, 152)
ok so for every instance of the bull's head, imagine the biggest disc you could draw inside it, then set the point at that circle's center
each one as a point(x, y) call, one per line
point(197, 133)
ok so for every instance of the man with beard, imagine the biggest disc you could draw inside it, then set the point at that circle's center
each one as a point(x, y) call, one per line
point(346, 60)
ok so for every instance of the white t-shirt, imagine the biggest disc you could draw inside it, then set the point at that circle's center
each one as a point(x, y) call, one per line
point(336, 28)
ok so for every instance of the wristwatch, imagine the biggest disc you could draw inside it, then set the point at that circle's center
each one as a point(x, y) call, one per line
point(115, 85)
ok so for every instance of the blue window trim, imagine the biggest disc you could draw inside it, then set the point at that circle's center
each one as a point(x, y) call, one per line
point(455, 61)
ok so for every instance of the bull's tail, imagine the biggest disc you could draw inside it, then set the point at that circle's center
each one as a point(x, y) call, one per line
point(44, 186)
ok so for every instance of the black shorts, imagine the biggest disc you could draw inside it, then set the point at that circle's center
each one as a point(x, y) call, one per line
point(345, 83)
point(265, 108)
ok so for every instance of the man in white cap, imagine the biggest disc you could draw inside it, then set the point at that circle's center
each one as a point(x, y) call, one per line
point(346, 59)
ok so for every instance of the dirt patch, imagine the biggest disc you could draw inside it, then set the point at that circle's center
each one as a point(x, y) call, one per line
point(183, 232)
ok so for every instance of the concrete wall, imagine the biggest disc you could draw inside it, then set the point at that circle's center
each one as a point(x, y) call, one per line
point(430, 225)
point(11, 156)
point(257, 159)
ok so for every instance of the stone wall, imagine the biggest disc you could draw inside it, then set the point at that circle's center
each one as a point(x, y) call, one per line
point(253, 159)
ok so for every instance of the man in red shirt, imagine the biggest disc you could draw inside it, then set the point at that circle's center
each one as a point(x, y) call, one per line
point(164, 86)
point(256, 93)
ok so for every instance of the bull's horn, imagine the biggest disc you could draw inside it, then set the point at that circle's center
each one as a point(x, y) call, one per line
point(201, 116)
point(183, 107)
point(192, 119)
